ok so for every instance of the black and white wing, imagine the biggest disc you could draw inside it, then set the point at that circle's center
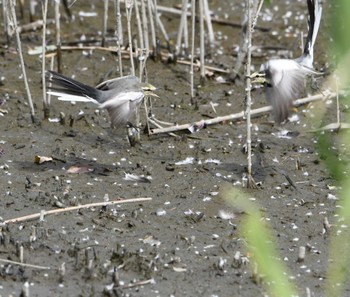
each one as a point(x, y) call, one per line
point(68, 89)
point(286, 83)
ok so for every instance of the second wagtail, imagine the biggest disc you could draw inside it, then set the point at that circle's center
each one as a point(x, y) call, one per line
point(284, 79)
point(120, 96)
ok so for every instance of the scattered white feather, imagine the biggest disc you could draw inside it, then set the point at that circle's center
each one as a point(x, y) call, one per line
point(225, 215)
point(136, 178)
point(188, 160)
point(215, 161)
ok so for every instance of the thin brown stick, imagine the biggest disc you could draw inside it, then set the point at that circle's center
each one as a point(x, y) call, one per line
point(152, 26)
point(193, 29)
point(24, 264)
point(140, 283)
point(201, 42)
point(208, 19)
point(12, 4)
point(332, 127)
point(153, 122)
point(129, 5)
point(46, 105)
point(145, 27)
point(58, 36)
point(237, 116)
point(159, 22)
point(210, 68)
point(178, 47)
point(5, 14)
point(105, 22)
point(257, 8)
point(38, 24)
point(72, 208)
point(139, 25)
point(118, 34)
point(248, 89)
point(119, 24)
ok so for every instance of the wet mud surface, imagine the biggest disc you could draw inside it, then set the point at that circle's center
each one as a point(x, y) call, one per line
point(179, 243)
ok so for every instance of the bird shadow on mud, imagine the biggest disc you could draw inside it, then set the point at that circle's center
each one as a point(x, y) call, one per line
point(69, 165)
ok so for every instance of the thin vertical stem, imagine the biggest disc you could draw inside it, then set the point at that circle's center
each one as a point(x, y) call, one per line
point(118, 34)
point(133, 134)
point(105, 22)
point(5, 18)
point(242, 48)
point(19, 48)
point(248, 88)
point(186, 33)
point(128, 5)
point(201, 41)
point(58, 34)
point(153, 31)
point(159, 22)
point(157, 27)
point(145, 27)
point(139, 24)
point(209, 24)
point(32, 5)
point(181, 27)
point(52, 64)
point(243, 44)
point(46, 105)
point(193, 13)
point(142, 61)
point(257, 8)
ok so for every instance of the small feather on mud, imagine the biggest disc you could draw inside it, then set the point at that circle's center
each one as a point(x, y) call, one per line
point(225, 215)
point(136, 178)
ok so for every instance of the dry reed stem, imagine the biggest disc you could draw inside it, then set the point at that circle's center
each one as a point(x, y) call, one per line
point(248, 88)
point(72, 208)
point(24, 264)
point(14, 24)
point(237, 116)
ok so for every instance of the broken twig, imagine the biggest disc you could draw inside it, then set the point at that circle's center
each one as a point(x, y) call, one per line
point(72, 208)
point(237, 116)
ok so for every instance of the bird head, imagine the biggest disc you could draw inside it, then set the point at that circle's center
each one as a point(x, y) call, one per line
point(258, 78)
point(148, 89)
point(263, 77)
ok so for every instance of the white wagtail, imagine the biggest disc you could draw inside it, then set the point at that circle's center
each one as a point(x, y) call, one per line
point(284, 79)
point(120, 96)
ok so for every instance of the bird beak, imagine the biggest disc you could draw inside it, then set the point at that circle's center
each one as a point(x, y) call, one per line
point(148, 90)
point(258, 78)
point(149, 93)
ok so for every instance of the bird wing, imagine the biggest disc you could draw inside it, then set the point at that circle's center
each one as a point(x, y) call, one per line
point(287, 83)
point(122, 106)
point(120, 114)
point(121, 98)
point(124, 83)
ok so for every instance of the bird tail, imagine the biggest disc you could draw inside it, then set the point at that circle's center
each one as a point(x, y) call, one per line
point(315, 13)
point(68, 89)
